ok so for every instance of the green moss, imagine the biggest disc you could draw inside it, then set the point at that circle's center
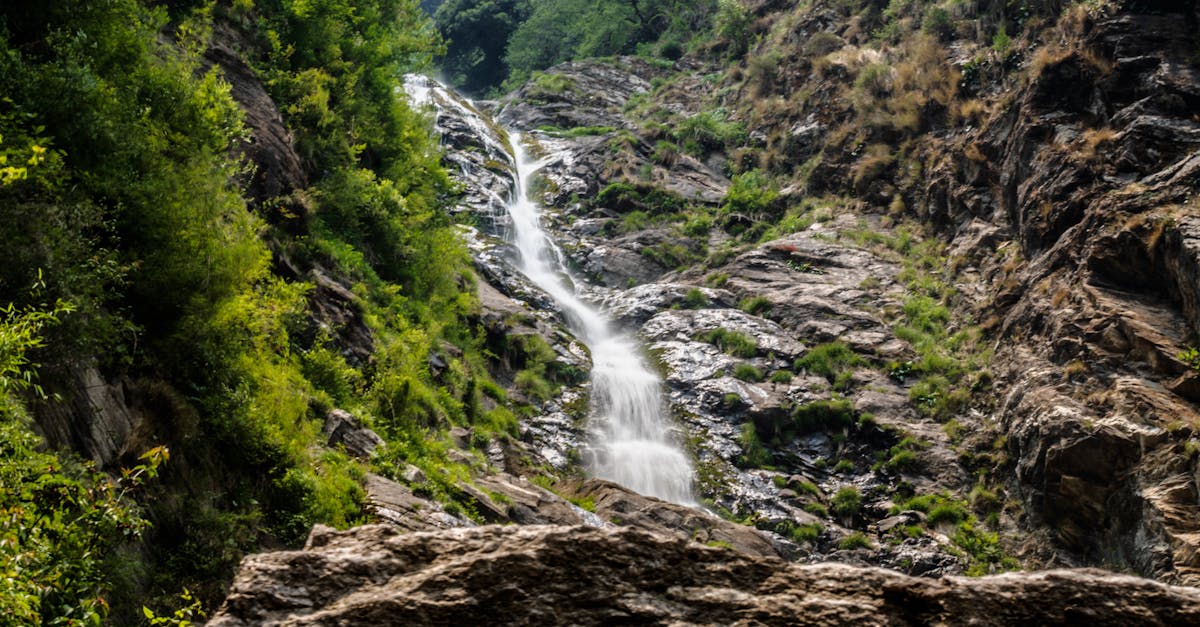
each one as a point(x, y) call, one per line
point(781, 376)
point(816, 509)
point(833, 414)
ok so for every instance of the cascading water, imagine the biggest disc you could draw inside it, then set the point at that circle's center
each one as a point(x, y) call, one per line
point(635, 448)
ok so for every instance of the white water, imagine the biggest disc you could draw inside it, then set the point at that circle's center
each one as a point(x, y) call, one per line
point(634, 446)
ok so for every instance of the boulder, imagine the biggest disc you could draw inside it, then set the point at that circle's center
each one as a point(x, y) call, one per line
point(553, 575)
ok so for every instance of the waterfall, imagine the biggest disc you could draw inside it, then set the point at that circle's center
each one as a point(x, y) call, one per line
point(634, 446)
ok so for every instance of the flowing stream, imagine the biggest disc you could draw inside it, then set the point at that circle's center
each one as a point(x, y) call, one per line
point(634, 446)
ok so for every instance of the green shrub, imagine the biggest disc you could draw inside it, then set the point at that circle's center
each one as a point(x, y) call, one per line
point(808, 487)
point(983, 499)
point(816, 509)
point(732, 24)
point(798, 533)
point(937, 22)
point(716, 279)
point(754, 305)
point(751, 193)
point(781, 376)
point(698, 225)
point(731, 400)
point(626, 197)
point(635, 221)
point(543, 86)
point(669, 255)
point(754, 455)
point(947, 512)
point(708, 130)
point(832, 414)
point(828, 360)
point(665, 152)
point(856, 540)
point(695, 299)
point(847, 502)
point(532, 383)
point(747, 372)
point(732, 342)
point(843, 466)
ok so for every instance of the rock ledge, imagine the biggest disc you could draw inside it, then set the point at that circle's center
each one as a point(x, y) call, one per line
point(578, 575)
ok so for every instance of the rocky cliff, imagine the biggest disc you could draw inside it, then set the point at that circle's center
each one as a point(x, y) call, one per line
point(921, 301)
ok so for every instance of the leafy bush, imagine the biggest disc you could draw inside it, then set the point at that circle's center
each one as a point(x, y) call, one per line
point(626, 197)
point(716, 279)
point(947, 512)
point(781, 376)
point(733, 25)
point(544, 86)
point(798, 533)
point(751, 193)
point(816, 509)
point(708, 130)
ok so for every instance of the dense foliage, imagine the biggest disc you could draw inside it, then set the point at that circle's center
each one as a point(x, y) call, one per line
point(131, 250)
point(503, 42)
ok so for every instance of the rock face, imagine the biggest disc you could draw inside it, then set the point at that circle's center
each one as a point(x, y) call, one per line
point(538, 575)
point(1080, 269)
point(278, 170)
point(1100, 410)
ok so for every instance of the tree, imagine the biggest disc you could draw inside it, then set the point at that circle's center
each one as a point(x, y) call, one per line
point(478, 32)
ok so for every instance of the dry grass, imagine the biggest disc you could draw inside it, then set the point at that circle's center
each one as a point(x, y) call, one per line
point(1074, 368)
point(971, 112)
point(973, 153)
point(1094, 140)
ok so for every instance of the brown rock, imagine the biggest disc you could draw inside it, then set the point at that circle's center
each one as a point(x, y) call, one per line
point(539, 575)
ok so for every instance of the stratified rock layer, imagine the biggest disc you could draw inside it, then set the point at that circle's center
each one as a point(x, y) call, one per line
point(545, 575)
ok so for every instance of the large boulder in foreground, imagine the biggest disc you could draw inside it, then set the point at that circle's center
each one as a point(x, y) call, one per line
point(553, 575)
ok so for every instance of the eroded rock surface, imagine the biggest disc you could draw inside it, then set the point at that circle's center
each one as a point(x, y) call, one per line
point(538, 575)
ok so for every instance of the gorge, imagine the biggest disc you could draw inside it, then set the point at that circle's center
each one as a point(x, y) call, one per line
point(729, 312)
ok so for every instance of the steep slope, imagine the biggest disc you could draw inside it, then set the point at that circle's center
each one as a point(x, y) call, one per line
point(989, 261)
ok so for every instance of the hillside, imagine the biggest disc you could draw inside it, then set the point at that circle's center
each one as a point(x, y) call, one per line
point(913, 286)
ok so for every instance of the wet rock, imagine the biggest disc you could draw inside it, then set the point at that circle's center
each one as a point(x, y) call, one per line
point(479, 153)
point(587, 576)
point(620, 506)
